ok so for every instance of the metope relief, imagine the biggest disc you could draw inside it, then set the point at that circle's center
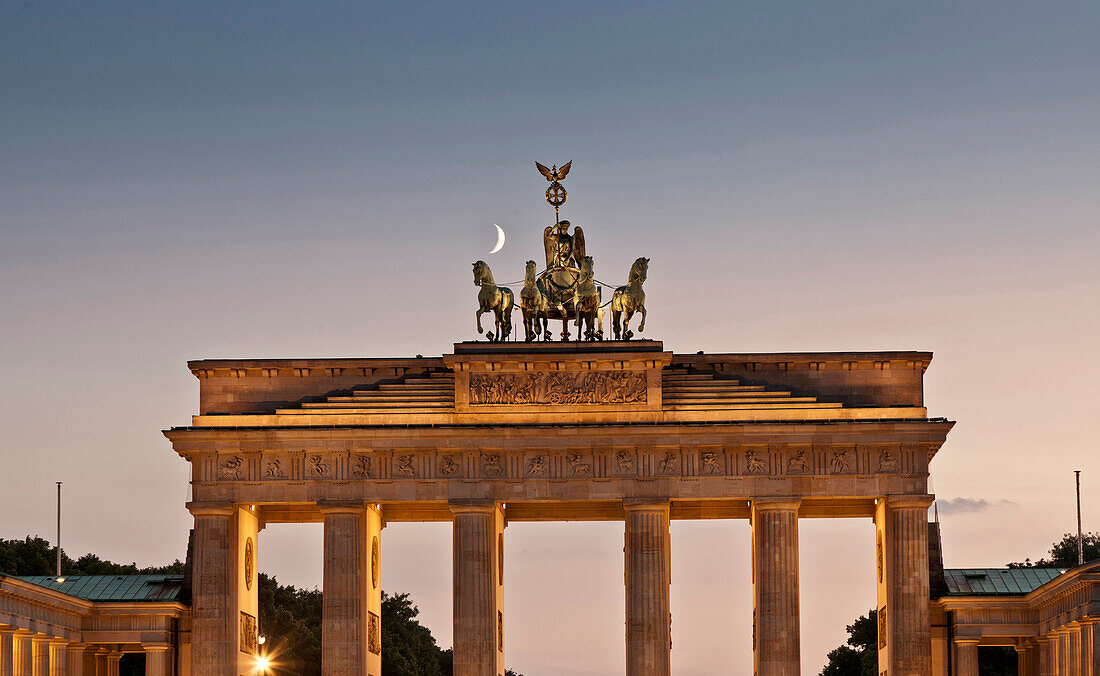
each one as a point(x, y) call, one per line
point(578, 467)
point(887, 461)
point(625, 462)
point(559, 387)
point(230, 470)
point(798, 463)
point(841, 463)
point(405, 466)
point(754, 464)
point(361, 468)
point(536, 466)
point(669, 464)
point(710, 462)
point(318, 468)
point(274, 469)
point(449, 467)
point(491, 466)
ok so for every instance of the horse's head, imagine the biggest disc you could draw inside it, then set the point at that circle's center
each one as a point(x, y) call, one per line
point(530, 272)
point(639, 270)
point(587, 269)
point(481, 272)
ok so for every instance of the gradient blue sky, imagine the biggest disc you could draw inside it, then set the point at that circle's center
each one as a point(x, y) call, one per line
point(210, 179)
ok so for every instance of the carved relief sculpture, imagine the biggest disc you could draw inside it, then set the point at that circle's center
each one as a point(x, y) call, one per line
point(840, 463)
point(230, 470)
point(559, 387)
point(887, 461)
point(536, 466)
point(625, 462)
point(448, 466)
point(318, 469)
point(798, 463)
point(577, 466)
point(490, 465)
point(361, 468)
point(374, 639)
point(274, 470)
point(667, 464)
point(405, 466)
point(754, 463)
point(710, 463)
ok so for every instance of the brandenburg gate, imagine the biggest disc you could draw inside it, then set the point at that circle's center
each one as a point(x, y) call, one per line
point(585, 429)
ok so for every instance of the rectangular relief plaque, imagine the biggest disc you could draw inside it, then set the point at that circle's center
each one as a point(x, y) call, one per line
point(555, 388)
point(374, 638)
point(249, 642)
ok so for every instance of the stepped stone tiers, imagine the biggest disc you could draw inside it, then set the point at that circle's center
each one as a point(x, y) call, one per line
point(500, 432)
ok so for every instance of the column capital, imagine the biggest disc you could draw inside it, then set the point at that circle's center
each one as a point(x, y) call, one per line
point(778, 504)
point(646, 504)
point(341, 506)
point(211, 508)
point(909, 501)
point(156, 647)
point(472, 506)
point(967, 640)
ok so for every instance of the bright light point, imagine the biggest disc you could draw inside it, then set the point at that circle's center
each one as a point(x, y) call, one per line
point(262, 664)
point(60, 580)
point(261, 640)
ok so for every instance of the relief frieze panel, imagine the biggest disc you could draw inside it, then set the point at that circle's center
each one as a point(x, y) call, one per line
point(555, 388)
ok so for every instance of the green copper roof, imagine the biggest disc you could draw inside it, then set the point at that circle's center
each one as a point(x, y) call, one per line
point(115, 587)
point(997, 581)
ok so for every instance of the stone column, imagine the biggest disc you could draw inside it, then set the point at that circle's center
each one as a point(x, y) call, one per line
point(901, 531)
point(648, 576)
point(966, 657)
point(40, 655)
point(224, 598)
point(1025, 658)
point(775, 587)
point(57, 656)
point(1074, 662)
point(1090, 652)
point(74, 659)
point(22, 657)
point(158, 660)
point(351, 619)
point(5, 650)
point(478, 591)
point(1046, 656)
point(113, 658)
point(101, 661)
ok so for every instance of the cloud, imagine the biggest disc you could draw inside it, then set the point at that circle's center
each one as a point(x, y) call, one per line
point(969, 505)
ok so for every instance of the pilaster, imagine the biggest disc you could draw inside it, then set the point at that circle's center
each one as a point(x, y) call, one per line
point(57, 653)
point(775, 587)
point(74, 659)
point(113, 658)
point(901, 549)
point(1090, 652)
point(648, 576)
point(478, 588)
point(158, 660)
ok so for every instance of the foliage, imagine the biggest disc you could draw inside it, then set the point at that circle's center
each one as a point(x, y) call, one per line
point(290, 620)
point(35, 556)
point(860, 656)
point(1063, 554)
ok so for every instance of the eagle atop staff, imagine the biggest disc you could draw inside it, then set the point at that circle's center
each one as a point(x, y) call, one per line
point(554, 175)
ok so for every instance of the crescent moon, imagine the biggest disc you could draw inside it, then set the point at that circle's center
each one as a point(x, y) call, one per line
point(500, 239)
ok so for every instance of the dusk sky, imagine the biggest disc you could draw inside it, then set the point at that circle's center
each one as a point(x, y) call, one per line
point(211, 179)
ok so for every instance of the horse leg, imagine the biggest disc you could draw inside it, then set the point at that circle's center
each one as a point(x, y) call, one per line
point(478, 316)
point(627, 333)
point(641, 327)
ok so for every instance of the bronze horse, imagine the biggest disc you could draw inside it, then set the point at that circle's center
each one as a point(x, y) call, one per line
point(492, 298)
point(587, 299)
point(535, 307)
point(630, 299)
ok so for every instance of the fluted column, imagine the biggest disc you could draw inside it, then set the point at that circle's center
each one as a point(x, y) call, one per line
point(1090, 652)
point(1025, 659)
point(901, 530)
point(74, 659)
point(22, 657)
point(56, 650)
point(113, 658)
point(775, 587)
point(648, 576)
point(40, 655)
point(5, 650)
point(966, 657)
point(1074, 666)
point(478, 591)
point(101, 661)
point(351, 631)
point(158, 660)
point(1047, 653)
